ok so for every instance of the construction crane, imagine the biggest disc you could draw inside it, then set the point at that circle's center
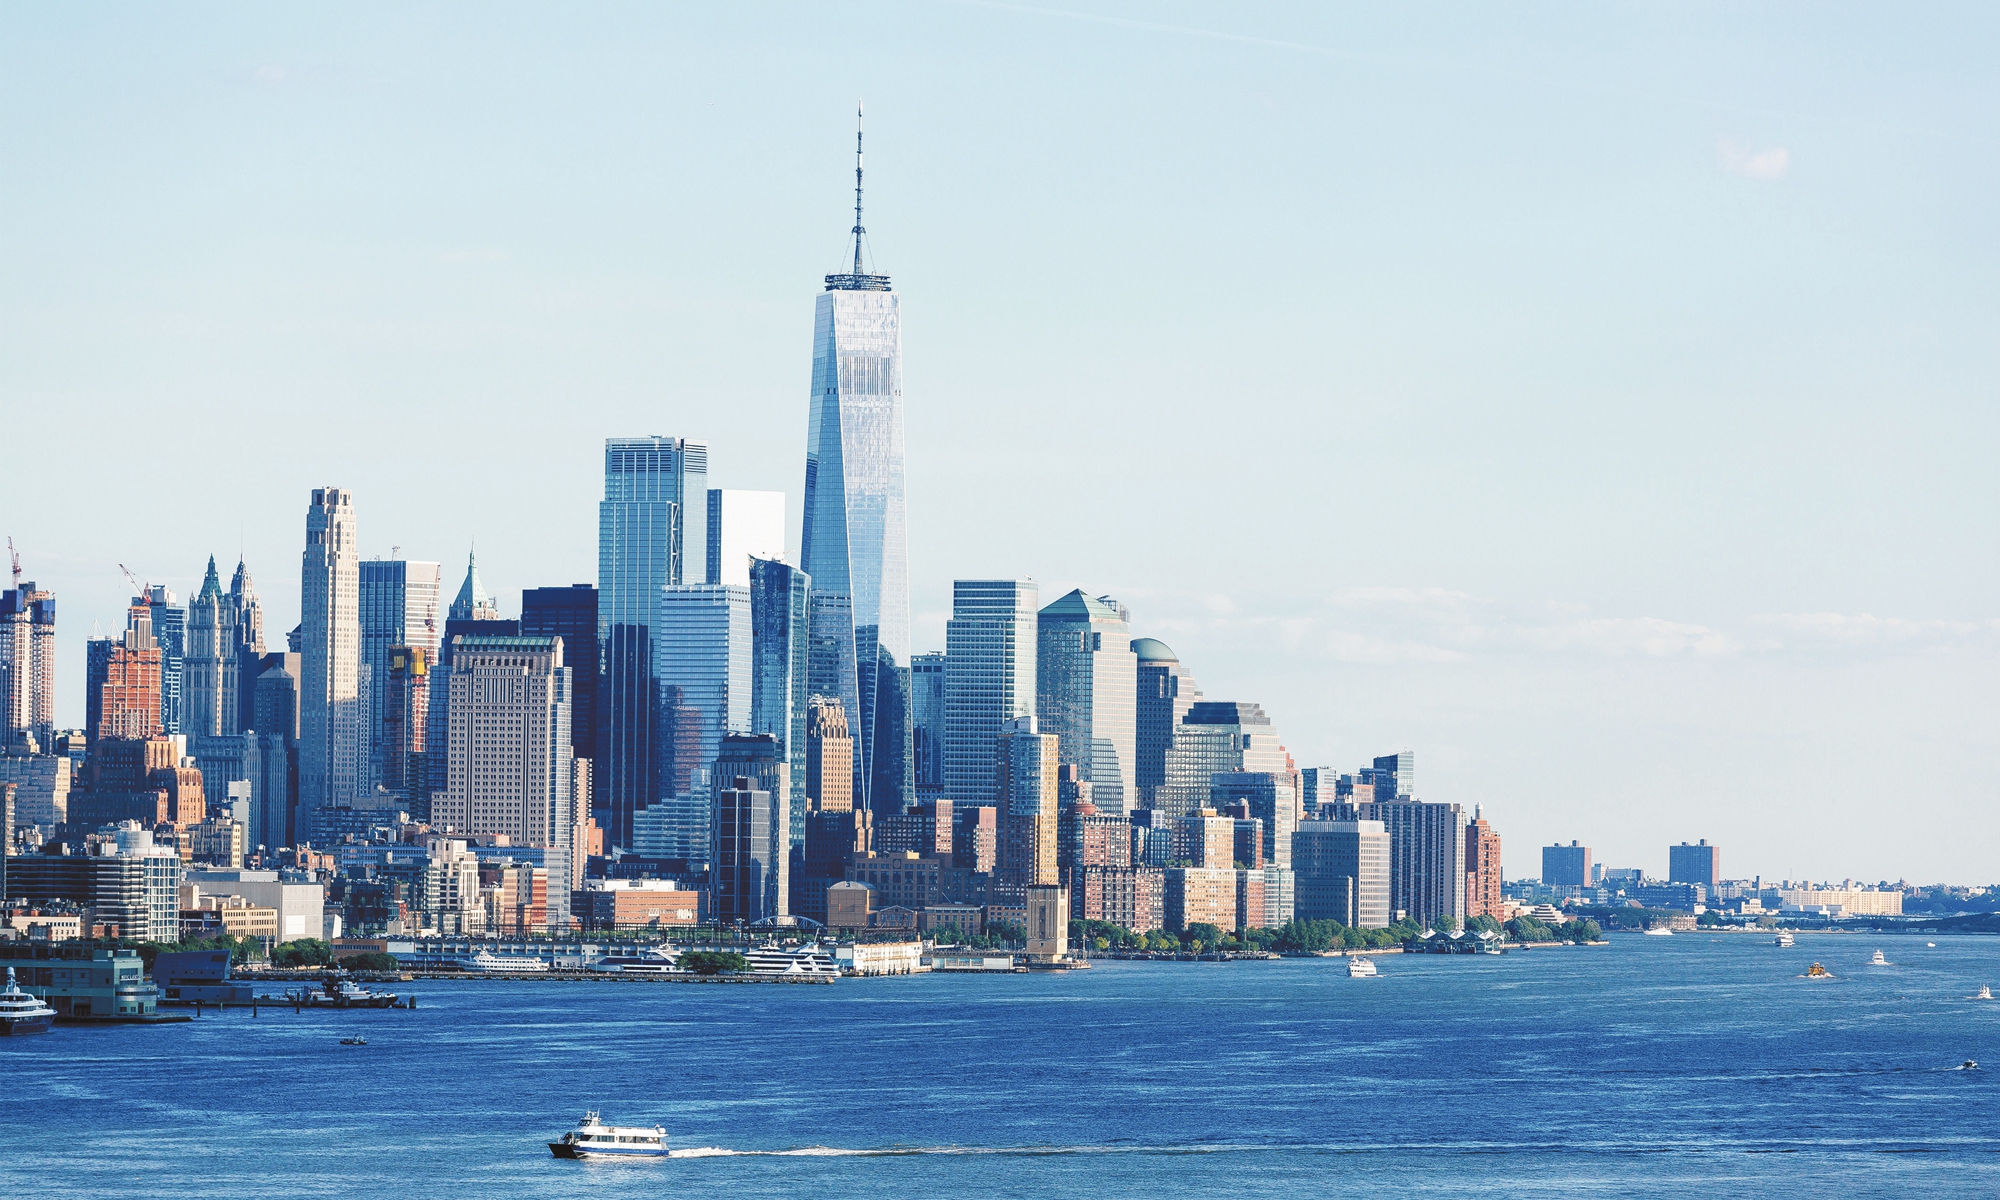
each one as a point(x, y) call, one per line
point(144, 593)
point(16, 556)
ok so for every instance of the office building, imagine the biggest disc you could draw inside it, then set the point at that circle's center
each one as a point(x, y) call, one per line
point(1217, 737)
point(247, 622)
point(752, 853)
point(653, 519)
point(124, 680)
point(855, 543)
point(1166, 691)
point(1086, 676)
point(829, 756)
point(1341, 872)
point(742, 526)
point(927, 724)
point(509, 751)
point(1426, 856)
point(989, 677)
point(41, 782)
point(1269, 800)
point(1482, 870)
point(330, 733)
point(1025, 794)
point(399, 607)
point(701, 656)
point(757, 757)
point(780, 640)
point(1700, 863)
point(1317, 786)
point(210, 669)
point(1394, 776)
point(404, 726)
point(570, 613)
point(1566, 866)
point(28, 663)
point(170, 632)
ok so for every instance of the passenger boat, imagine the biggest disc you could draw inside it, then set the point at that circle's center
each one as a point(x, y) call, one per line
point(654, 960)
point(592, 1138)
point(1361, 968)
point(488, 961)
point(21, 1012)
point(1878, 960)
point(1786, 941)
point(1818, 972)
point(1659, 931)
point(807, 960)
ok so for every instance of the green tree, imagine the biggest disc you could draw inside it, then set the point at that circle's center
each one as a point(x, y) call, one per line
point(1201, 934)
point(1484, 923)
point(712, 962)
point(1445, 924)
point(373, 960)
point(305, 952)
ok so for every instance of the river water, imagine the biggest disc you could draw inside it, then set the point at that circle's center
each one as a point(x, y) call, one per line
point(1702, 1063)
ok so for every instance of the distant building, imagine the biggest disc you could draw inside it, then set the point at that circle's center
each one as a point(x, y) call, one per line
point(170, 631)
point(331, 738)
point(701, 657)
point(1130, 897)
point(28, 664)
point(570, 613)
point(752, 853)
point(1200, 895)
point(1048, 923)
point(1317, 786)
point(124, 680)
point(780, 640)
point(1700, 863)
point(1270, 799)
point(1566, 866)
point(975, 836)
point(1341, 872)
point(927, 673)
point(1843, 902)
point(1085, 678)
point(1216, 737)
point(834, 832)
point(990, 663)
point(404, 726)
point(1166, 691)
point(1482, 870)
point(638, 904)
point(1026, 797)
point(399, 606)
point(42, 781)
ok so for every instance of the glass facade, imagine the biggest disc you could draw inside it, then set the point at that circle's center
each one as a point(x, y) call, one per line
point(779, 625)
point(653, 520)
point(1085, 679)
point(399, 607)
point(855, 545)
point(701, 652)
point(927, 724)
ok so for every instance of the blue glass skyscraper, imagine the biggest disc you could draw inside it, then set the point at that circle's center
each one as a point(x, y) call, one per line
point(855, 544)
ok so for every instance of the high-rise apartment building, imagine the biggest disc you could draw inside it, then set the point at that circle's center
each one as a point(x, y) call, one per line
point(399, 606)
point(855, 543)
point(701, 656)
point(1341, 872)
point(1483, 897)
point(1086, 676)
point(780, 640)
point(927, 724)
point(124, 680)
point(509, 751)
point(28, 664)
point(989, 677)
point(742, 526)
point(1166, 691)
point(1700, 863)
point(330, 735)
point(1220, 737)
point(653, 519)
point(1566, 866)
point(570, 613)
point(1426, 855)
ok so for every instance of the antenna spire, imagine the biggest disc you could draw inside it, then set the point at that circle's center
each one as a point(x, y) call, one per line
point(858, 230)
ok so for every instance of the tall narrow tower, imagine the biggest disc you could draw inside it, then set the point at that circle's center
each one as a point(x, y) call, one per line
point(855, 545)
point(330, 742)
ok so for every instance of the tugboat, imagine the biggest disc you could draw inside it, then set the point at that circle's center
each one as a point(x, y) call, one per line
point(1879, 961)
point(592, 1138)
point(1361, 968)
point(343, 993)
point(21, 1012)
point(1818, 972)
point(1786, 941)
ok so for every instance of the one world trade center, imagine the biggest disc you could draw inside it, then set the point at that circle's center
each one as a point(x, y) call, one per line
point(855, 544)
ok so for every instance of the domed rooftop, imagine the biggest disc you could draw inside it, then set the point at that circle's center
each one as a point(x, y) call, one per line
point(1153, 650)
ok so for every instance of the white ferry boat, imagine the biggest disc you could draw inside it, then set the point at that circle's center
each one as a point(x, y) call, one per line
point(1359, 967)
point(21, 1012)
point(1878, 960)
point(1659, 931)
point(592, 1138)
point(486, 960)
point(806, 960)
point(1786, 941)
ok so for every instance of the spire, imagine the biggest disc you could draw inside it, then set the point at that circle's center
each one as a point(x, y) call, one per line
point(858, 230)
point(211, 584)
point(473, 604)
point(239, 583)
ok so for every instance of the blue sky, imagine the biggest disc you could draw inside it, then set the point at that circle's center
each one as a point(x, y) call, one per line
point(1597, 399)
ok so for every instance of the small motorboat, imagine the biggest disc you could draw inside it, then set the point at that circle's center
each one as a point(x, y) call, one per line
point(1361, 968)
point(1659, 931)
point(354, 1041)
point(1879, 961)
point(1968, 1065)
point(1930, 945)
point(1818, 972)
point(1985, 993)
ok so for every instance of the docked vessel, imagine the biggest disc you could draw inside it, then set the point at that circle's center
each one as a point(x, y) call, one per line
point(592, 1138)
point(1786, 941)
point(808, 960)
point(1878, 960)
point(1361, 968)
point(342, 993)
point(488, 961)
point(21, 1012)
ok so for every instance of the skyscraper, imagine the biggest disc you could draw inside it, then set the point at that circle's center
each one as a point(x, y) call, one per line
point(249, 647)
point(780, 633)
point(701, 654)
point(330, 740)
point(509, 751)
point(653, 520)
point(208, 672)
point(399, 607)
point(170, 631)
point(927, 724)
point(1218, 736)
point(124, 680)
point(1166, 692)
point(1086, 676)
point(750, 855)
point(1699, 863)
point(570, 613)
point(28, 664)
point(1342, 872)
point(742, 526)
point(1024, 790)
point(989, 677)
point(1426, 855)
point(404, 727)
point(855, 545)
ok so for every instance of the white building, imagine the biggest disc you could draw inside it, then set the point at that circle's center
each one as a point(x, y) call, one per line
point(300, 904)
point(450, 902)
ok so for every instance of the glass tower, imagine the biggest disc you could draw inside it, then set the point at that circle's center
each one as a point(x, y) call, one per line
point(855, 545)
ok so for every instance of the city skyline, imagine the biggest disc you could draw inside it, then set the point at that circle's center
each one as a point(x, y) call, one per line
point(1575, 685)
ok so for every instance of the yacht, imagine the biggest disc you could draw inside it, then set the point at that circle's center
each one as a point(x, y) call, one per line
point(592, 1138)
point(21, 1012)
point(1659, 931)
point(1878, 960)
point(1359, 967)
point(806, 960)
point(1786, 941)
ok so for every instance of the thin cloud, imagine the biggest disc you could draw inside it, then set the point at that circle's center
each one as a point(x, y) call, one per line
point(1767, 165)
point(270, 76)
